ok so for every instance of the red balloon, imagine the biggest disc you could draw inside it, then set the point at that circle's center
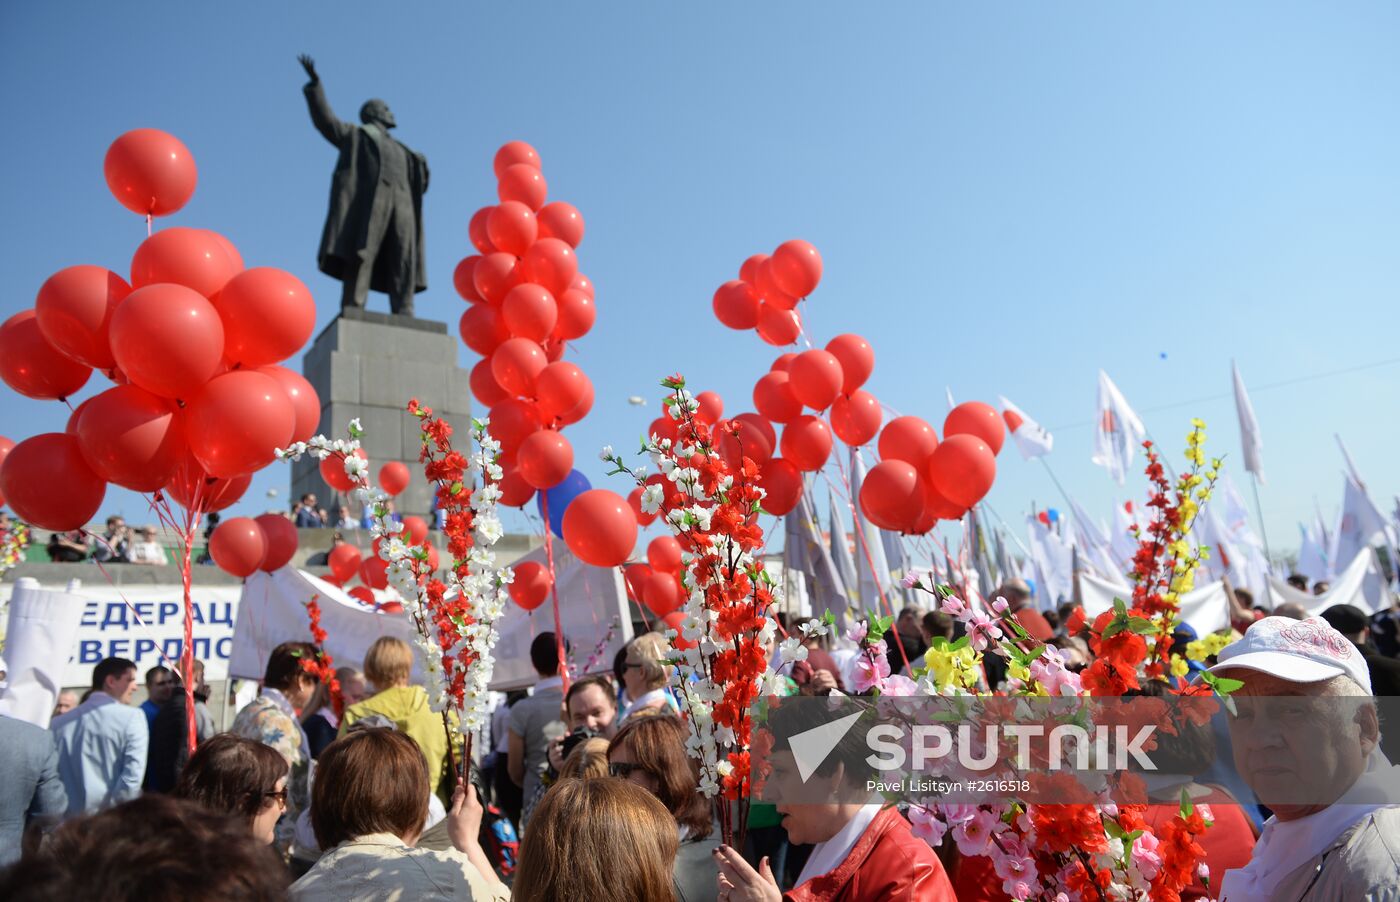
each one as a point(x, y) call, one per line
point(374, 572)
point(909, 439)
point(815, 378)
point(748, 271)
point(515, 491)
point(530, 312)
point(962, 469)
point(484, 385)
point(150, 172)
point(131, 437)
point(333, 471)
point(806, 441)
point(195, 258)
point(736, 304)
point(268, 315)
point(783, 362)
point(516, 364)
point(857, 360)
point(581, 283)
point(664, 555)
point(344, 561)
point(554, 350)
point(195, 490)
point(524, 184)
point(394, 477)
point(662, 594)
point(977, 419)
point(229, 249)
point(936, 507)
point(892, 495)
point(636, 575)
point(576, 314)
point(417, 530)
point(512, 228)
point(551, 263)
point(238, 546)
point(75, 307)
point(762, 425)
point(48, 484)
point(363, 594)
point(778, 327)
point(531, 585)
point(511, 153)
point(752, 442)
point(281, 536)
point(782, 483)
point(768, 290)
point(306, 404)
point(167, 339)
point(711, 408)
point(496, 274)
point(599, 528)
point(773, 397)
point(238, 422)
point(476, 231)
point(796, 267)
point(464, 281)
point(512, 421)
point(545, 459)
point(70, 427)
point(663, 427)
point(675, 620)
point(562, 221)
point(634, 498)
point(32, 366)
point(560, 388)
point(856, 418)
point(483, 328)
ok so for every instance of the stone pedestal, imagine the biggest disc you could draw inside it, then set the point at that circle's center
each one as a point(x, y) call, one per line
point(369, 365)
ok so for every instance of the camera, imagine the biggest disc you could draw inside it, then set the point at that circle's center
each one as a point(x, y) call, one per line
point(571, 741)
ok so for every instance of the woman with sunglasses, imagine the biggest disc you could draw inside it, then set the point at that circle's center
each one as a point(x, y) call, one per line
point(237, 776)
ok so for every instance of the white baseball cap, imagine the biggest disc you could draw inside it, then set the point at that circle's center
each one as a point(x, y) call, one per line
point(1300, 651)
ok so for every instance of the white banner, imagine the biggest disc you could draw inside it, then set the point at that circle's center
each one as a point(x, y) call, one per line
point(42, 627)
point(1360, 584)
point(1206, 609)
point(143, 623)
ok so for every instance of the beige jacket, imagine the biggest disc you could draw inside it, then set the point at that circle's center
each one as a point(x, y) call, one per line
point(380, 868)
point(1362, 865)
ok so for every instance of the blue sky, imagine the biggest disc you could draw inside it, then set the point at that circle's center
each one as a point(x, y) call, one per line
point(1007, 196)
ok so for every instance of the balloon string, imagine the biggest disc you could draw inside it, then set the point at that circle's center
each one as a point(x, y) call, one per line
point(148, 225)
point(554, 593)
point(632, 596)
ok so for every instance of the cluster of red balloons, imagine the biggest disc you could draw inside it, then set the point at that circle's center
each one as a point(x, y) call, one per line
point(765, 295)
point(920, 480)
point(244, 545)
point(657, 583)
point(527, 301)
point(346, 563)
point(192, 344)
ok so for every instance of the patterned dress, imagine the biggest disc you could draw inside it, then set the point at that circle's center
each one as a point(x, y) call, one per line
point(271, 720)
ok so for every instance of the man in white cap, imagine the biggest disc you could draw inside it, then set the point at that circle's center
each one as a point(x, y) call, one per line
point(1306, 739)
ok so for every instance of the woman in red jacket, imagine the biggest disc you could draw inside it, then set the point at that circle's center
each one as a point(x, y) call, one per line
point(863, 851)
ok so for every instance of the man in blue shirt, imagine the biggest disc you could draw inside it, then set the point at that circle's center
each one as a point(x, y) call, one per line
point(158, 683)
point(102, 743)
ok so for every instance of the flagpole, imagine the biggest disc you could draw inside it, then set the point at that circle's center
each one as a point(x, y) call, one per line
point(1063, 494)
point(1259, 510)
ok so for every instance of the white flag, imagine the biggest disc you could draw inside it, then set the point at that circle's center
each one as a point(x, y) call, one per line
point(1358, 526)
point(872, 564)
point(1249, 428)
point(841, 553)
point(1031, 439)
point(1118, 431)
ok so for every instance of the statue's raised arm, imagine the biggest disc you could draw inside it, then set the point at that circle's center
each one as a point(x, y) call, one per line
point(322, 116)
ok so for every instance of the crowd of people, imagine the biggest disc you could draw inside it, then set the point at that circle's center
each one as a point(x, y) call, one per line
point(587, 792)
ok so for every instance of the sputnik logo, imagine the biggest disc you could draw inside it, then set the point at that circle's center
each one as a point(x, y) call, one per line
point(811, 747)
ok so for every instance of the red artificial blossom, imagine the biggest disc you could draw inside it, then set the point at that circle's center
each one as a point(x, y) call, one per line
point(322, 667)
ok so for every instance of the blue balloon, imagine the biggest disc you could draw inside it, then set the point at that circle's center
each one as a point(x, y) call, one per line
point(1053, 514)
point(560, 497)
point(1031, 584)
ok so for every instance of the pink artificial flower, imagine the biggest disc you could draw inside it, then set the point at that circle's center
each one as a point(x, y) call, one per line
point(1013, 869)
point(974, 835)
point(955, 607)
point(911, 579)
point(957, 814)
point(870, 671)
point(982, 630)
point(926, 825)
point(1146, 857)
point(856, 634)
point(1203, 871)
point(1000, 605)
point(899, 686)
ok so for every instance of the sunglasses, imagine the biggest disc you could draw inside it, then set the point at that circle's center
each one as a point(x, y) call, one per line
point(279, 795)
point(623, 769)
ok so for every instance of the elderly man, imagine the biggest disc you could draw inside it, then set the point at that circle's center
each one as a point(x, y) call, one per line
point(1305, 736)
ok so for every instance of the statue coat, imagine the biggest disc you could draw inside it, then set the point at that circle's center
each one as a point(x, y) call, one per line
point(353, 187)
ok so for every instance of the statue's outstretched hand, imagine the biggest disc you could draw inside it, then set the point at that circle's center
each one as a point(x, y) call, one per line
point(309, 65)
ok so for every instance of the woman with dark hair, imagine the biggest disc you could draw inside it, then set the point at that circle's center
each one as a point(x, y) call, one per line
point(238, 777)
point(650, 752)
point(368, 809)
point(597, 841)
point(271, 719)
